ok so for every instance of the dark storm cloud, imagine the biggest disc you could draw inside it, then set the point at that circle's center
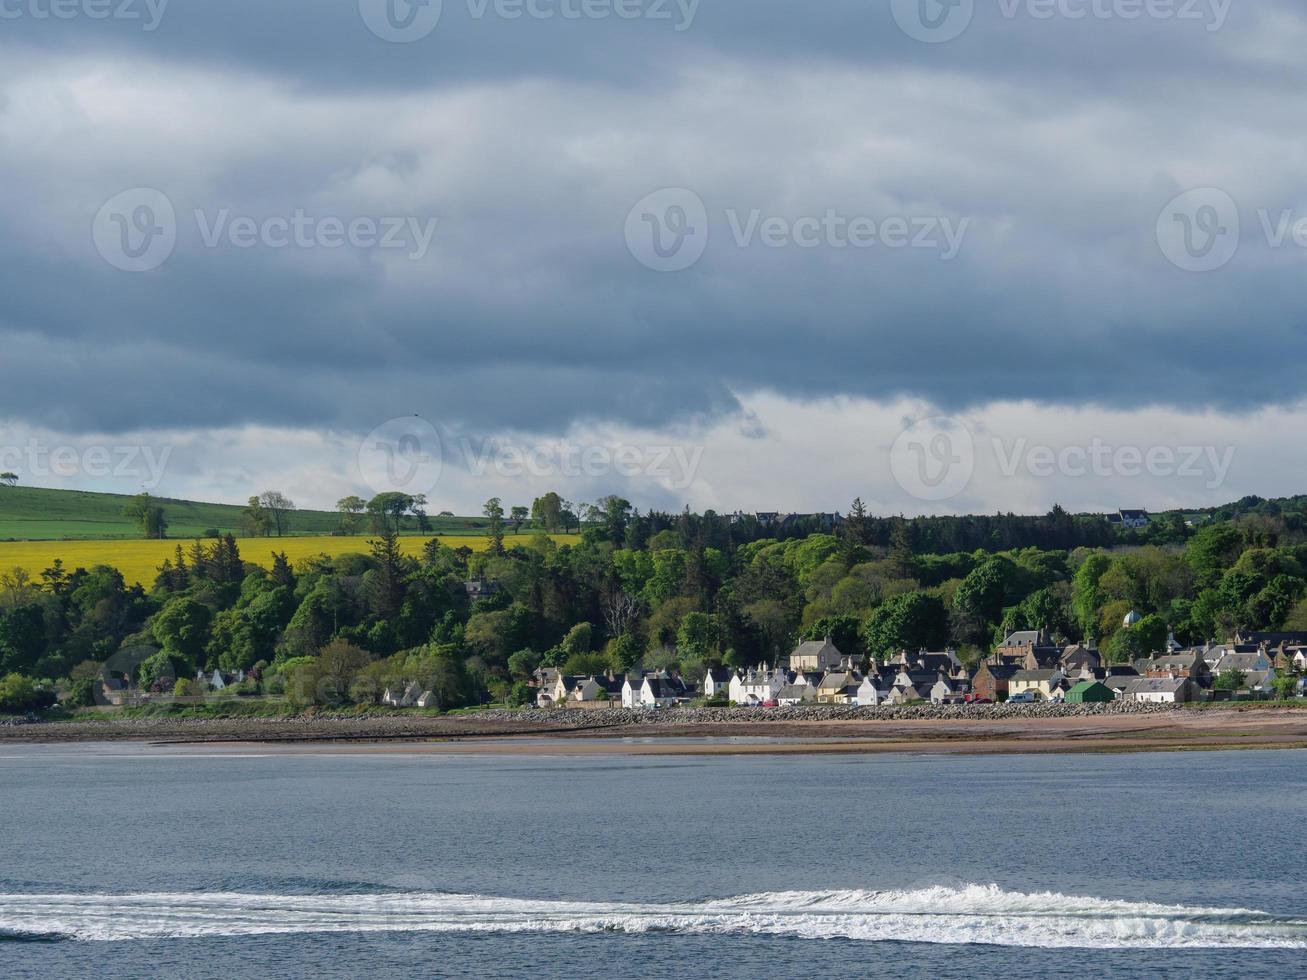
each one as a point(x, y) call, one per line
point(1050, 146)
point(326, 43)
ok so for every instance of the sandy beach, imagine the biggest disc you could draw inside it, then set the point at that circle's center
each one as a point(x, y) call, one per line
point(1175, 730)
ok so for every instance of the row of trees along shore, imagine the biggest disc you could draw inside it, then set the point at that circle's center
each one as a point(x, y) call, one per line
point(651, 590)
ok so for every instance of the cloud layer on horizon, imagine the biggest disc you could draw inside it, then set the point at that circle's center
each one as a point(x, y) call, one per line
point(1058, 143)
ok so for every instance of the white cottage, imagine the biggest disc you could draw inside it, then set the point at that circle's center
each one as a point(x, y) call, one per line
point(949, 689)
point(717, 682)
point(757, 685)
point(1162, 690)
point(657, 690)
point(631, 692)
point(870, 694)
point(402, 697)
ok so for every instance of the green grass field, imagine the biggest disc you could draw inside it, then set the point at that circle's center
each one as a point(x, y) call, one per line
point(84, 529)
point(36, 514)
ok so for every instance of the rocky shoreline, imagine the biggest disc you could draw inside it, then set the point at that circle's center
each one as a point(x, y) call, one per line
point(401, 725)
point(815, 713)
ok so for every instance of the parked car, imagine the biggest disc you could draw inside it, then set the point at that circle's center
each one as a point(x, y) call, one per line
point(771, 703)
point(1025, 697)
point(971, 700)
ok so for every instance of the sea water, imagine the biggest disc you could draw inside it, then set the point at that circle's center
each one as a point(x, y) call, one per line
point(121, 860)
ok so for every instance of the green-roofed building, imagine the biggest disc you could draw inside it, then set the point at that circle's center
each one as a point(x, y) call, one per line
point(1090, 692)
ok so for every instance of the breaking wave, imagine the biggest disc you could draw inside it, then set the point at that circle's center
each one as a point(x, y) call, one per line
point(983, 914)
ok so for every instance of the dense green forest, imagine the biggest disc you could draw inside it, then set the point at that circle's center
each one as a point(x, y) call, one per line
point(645, 590)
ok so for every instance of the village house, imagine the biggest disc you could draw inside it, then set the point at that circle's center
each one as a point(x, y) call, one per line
point(1289, 659)
point(870, 692)
point(596, 692)
point(1118, 671)
point(717, 682)
point(1258, 683)
point(991, 681)
point(480, 588)
point(1190, 664)
point(757, 685)
point(1077, 659)
point(219, 681)
point(816, 655)
point(543, 679)
point(1246, 663)
point(1029, 649)
point(405, 696)
point(656, 690)
point(1120, 684)
point(839, 687)
point(1260, 638)
point(948, 690)
point(555, 693)
point(1084, 673)
point(908, 686)
point(796, 693)
point(1214, 653)
point(910, 693)
point(1044, 684)
point(896, 662)
point(1163, 690)
point(631, 687)
point(114, 690)
point(943, 662)
point(799, 688)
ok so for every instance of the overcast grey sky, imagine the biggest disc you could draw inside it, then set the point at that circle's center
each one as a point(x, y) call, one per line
point(249, 233)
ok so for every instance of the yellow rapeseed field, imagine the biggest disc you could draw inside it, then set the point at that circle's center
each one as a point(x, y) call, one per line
point(139, 561)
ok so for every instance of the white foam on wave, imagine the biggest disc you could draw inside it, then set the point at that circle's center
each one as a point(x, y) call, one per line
point(971, 914)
